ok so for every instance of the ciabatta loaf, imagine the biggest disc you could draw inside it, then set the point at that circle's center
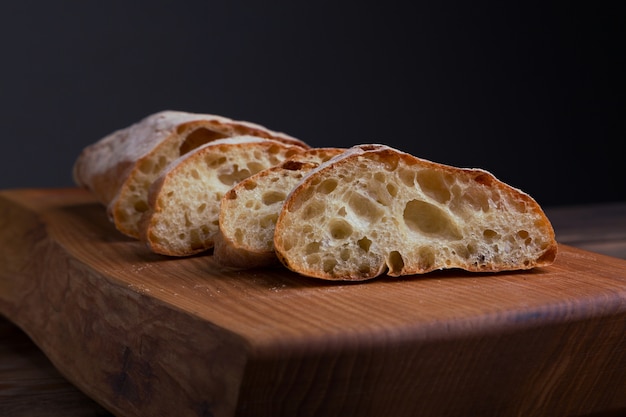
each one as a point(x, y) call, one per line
point(375, 210)
point(249, 210)
point(183, 202)
point(119, 168)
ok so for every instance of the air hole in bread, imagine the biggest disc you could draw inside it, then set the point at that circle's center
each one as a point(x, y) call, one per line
point(254, 167)
point(340, 229)
point(395, 263)
point(313, 259)
point(292, 165)
point(287, 242)
point(426, 218)
point(232, 178)
point(150, 166)
point(268, 220)
point(275, 149)
point(329, 265)
point(391, 163)
point(345, 254)
point(426, 258)
point(140, 206)
point(213, 160)
point(483, 178)
point(195, 174)
point(523, 234)
point(289, 154)
point(145, 165)
point(392, 189)
point(490, 234)
point(407, 176)
point(327, 186)
point(364, 269)
point(273, 197)
point(364, 243)
point(435, 184)
point(314, 209)
point(380, 177)
point(342, 211)
point(198, 138)
point(364, 207)
point(312, 247)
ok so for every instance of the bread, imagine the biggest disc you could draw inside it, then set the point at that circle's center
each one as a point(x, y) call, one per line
point(376, 210)
point(249, 210)
point(119, 168)
point(183, 202)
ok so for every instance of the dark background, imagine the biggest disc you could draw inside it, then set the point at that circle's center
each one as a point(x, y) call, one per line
point(534, 94)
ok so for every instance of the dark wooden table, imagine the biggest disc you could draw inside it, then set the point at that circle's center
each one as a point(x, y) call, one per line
point(30, 386)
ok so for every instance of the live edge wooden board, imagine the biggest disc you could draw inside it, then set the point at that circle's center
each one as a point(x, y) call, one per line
point(146, 335)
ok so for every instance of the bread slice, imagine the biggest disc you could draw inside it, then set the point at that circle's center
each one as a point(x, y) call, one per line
point(119, 168)
point(249, 210)
point(184, 201)
point(375, 210)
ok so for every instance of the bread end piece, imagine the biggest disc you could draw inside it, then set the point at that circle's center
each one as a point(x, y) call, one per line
point(376, 210)
point(119, 168)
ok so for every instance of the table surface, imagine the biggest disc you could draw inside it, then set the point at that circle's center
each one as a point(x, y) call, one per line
point(31, 386)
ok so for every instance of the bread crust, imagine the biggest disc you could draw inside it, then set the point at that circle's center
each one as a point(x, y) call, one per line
point(431, 195)
point(119, 168)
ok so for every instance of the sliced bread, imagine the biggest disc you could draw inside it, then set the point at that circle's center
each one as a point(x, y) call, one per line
point(376, 210)
point(249, 210)
point(182, 215)
point(119, 168)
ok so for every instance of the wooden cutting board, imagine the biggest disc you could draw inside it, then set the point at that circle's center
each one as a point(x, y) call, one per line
point(147, 335)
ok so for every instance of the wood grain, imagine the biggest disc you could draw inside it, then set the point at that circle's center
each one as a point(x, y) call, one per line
point(30, 386)
point(147, 335)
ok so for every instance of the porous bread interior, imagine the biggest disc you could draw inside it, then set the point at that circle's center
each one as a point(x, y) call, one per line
point(186, 207)
point(132, 199)
point(317, 155)
point(364, 216)
point(249, 211)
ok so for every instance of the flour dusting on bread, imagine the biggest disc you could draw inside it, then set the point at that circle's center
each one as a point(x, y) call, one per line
point(120, 168)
